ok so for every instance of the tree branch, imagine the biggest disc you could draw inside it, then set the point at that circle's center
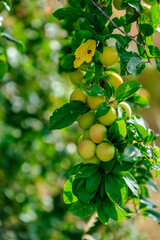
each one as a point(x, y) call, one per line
point(105, 15)
point(88, 226)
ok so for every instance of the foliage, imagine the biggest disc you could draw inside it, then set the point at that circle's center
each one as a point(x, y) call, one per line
point(126, 176)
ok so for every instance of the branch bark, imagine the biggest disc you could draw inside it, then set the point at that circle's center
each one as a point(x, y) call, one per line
point(88, 226)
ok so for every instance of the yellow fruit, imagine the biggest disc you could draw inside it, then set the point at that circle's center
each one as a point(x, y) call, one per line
point(97, 132)
point(105, 151)
point(109, 56)
point(115, 80)
point(78, 95)
point(86, 120)
point(76, 77)
point(87, 149)
point(93, 160)
point(109, 117)
point(117, 4)
point(86, 135)
point(127, 108)
point(94, 102)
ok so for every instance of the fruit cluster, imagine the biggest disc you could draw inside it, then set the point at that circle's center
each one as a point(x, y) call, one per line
point(92, 146)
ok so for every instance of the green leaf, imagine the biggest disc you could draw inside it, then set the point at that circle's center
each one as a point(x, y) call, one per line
point(116, 188)
point(68, 195)
point(80, 209)
point(68, 61)
point(102, 109)
point(98, 71)
point(19, 44)
point(75, 169)
point(3, 65)
point(154, 215)
point(152, 184)
point(94, 90)
point(135, 4)
point(146, 29)
point(108, 166)
point(118, 131)
point(93, 183)
point(84, 173)
point(147, 202)
point(139, 100)
point(126, 90)
point(131, 63)
point(155, 15)
point(68, 13)
point(66, 115)
point(109, 89)
point(112, 210)
point(131, 154)
point(83, 34)
point(131, 183)
point(7, 4)
point(102, 214)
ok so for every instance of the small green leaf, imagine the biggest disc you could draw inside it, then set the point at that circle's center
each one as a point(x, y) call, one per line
point(147, 202)
point(146, 29)
point(102, 109)
point(93, 183)
point(68, 195)
point(131, 183)
point(108, 166)
point(19, 44)
point(84, 173)
point(126, 90)
point(154, 215)
point(66, 115)
point(80, 209)
point(131, 63)
point(131, 154)
point(118, 131)
point(113, 211)
point(68, 13)
point(116, 188)
point(135, 4)
point(68, 61)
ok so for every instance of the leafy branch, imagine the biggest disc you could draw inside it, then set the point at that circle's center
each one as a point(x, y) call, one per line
point(111, 21)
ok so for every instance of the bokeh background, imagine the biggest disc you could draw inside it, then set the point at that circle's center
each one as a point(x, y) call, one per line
point(34, 161)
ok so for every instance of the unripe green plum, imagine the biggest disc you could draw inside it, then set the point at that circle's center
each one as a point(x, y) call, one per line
point(127, 108)
point(97, 132)
point(86, 134)
point(78, 95)
point(76, 77)
point(93, 160)
point(115, 80)
point(109, 56)
point(105, 151)
point(86, 120)
point(109, 117)
point(87, 149)
point(94, 102)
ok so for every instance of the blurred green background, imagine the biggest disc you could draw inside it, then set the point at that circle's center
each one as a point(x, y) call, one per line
point(34, 162)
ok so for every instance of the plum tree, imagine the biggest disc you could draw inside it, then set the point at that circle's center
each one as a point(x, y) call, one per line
point(94, 102)
point(78, 95)
point(126, 108)
point(97, 132)
point(87, 149)
point(115, 80)
point(109, 56)
point(105, 151)
point(86, 120)
point(76, 77)
point(109, 117)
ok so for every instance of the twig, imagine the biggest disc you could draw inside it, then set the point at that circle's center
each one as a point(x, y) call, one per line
point(104, 14)
point(89, 225)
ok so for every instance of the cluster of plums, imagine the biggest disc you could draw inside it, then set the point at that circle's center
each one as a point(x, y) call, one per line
point(91, 145)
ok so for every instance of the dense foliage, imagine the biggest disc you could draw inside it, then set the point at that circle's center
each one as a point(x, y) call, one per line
point(125, 170)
